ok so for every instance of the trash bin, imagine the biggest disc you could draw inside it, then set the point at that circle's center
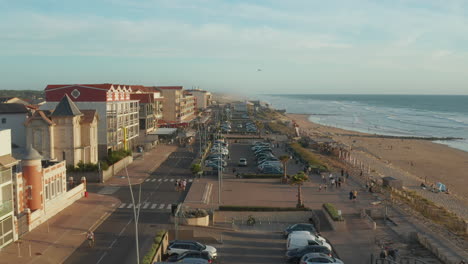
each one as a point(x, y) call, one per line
point(86, 194)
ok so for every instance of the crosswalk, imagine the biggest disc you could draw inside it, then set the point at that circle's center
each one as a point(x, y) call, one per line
point(165, 180)
point(147, 206)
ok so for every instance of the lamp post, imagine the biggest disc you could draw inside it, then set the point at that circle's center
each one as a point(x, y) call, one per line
point(136, 215)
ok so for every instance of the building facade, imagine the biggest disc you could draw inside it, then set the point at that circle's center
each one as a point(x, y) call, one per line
point(7, 231)
point(151, 107)
point(66, 133)
point(13, 116)
point(203, 98)
point(118, 125)
point(178, 107)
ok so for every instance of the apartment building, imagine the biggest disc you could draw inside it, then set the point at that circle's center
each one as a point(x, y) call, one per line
point(179, 108)
point(7, 231)
point(151, 107)
point(118, 125)
point(66, 133)
point(203, 98)
point(13, 116)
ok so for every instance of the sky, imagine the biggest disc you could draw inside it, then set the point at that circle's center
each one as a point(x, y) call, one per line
point(235, 46)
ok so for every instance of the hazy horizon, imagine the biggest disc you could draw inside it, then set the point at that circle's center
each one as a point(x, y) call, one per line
point(250, 47)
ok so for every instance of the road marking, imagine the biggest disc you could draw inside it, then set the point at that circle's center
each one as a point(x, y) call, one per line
point(147, 180)
point(112, 244)
point(191, 180)
point(159, 180)
point(168, 206)
point(153, 180)
point(161, 206)
point(146, 205)
point(154, 206)
point(101, 258)
point(130, 205)
point(172, 180)
point(165, 180)
point(109, 190)
point(122, 205)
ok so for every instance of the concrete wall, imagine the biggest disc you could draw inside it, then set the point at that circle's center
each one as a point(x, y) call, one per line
point(115, 168)
point(161, 251)
point(39, 135)
point(336, 225)
point(5, 138)
point(15, 122)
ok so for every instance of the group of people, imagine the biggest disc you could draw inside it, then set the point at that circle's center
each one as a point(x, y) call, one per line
point(180, 185)
point(332, 181)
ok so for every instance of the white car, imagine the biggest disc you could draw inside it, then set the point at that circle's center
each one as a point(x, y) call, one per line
point(319, 258)
point(178, 247)
point(242, 162)
point(299, 239)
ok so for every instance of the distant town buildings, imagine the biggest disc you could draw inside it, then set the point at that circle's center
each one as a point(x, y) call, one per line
point(12, 100)
point(65, 133)
point(118, 125)
point(151, 107)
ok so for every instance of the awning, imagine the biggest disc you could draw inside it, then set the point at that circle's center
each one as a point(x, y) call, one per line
point(163, 131)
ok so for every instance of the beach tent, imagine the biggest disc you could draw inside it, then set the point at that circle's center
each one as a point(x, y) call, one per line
point(441, 187)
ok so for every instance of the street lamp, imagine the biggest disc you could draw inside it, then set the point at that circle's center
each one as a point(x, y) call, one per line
point(136, 214)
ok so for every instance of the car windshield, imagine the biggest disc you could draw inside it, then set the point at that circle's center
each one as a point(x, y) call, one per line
point(201, 245)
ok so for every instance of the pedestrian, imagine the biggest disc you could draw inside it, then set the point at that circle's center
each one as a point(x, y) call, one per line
point(383, 254)
point(90, 238)
point(350, 195)
point(323, 179)
point(360, 174)
point(332, 182)
point(330, 176)
point(354, 195)
point(325, 187)
point(347, 175)
point(336, 183)
point(184, 184)
point(339, 182)
point(234, 170)
point(320, 187)
point(177, 185)
point(342, 172)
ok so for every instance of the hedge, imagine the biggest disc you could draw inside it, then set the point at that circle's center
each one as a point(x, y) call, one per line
point(308, 156)
point(260, 208)
point(332, 211)
point(261, 176)
point(148, 258)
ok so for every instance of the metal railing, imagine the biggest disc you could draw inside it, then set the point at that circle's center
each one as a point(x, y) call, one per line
point(6, 207)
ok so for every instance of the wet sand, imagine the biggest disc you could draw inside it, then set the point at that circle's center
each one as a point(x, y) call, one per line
point(421, 159)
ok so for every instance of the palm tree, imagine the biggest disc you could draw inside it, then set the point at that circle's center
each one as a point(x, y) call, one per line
point(284, 159)
point(298, 180)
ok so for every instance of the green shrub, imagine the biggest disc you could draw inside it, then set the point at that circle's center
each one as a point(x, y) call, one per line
point(196, 168)
point(309, 157)
point(260, 208)
point(261, 176)
point(149, 256)
point(117, 155)
point(195, 213)
point(104, 165)
point(332, 211)
point(83, 167)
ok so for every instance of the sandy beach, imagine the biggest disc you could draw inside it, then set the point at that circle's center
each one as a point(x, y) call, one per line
point(420, 160)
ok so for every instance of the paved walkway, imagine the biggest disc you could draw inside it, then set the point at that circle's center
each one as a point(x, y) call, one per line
point(54, 241)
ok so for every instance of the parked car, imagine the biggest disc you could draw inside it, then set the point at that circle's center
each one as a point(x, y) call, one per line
point(298, 239)
point(294, 255)
point(319, 258)
point(187, 256)
point(300, 227)
point(242, 162)
point(177, 247)
point(216, 161)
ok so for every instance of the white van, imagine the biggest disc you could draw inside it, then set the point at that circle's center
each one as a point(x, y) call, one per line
point(299, 239)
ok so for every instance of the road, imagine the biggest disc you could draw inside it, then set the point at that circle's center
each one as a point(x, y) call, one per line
point(115, 237)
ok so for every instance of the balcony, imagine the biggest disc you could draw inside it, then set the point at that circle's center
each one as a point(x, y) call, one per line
point(5, 176)
point(5, 207)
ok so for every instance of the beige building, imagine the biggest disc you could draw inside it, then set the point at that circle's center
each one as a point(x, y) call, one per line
point(178, 107)
point(203, 98)
point(65, 133)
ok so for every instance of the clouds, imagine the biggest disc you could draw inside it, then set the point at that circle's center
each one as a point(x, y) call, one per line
point(293, 38)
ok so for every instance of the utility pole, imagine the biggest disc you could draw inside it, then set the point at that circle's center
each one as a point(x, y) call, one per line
point(136, 214)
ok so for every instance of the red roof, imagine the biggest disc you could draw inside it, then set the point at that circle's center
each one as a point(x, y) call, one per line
point(104, 86)
point(143, 98)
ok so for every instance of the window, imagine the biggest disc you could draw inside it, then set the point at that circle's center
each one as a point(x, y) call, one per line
point(3, 120)
point(59, 190)
point(47, 193)
point(52, 190)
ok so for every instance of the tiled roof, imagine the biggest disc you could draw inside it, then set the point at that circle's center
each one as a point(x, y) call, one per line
point(66, 107)
point(7, 161)
point(12, 109)
point(40, 114)
point(88, 116)
point(105, 86)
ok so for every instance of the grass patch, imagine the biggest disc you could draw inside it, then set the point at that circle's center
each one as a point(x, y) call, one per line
point(278, 127)
point(260, 208)
point(332, 212)
point(308, 156)
point(149, 256)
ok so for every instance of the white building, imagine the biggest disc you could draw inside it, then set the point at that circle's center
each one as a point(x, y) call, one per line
point(13, 116)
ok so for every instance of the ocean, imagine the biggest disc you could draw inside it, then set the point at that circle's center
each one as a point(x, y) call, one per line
point(395, 115)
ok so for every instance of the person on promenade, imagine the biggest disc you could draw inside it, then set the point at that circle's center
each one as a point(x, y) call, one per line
point(323, 179)
point(347, 174)
point(332, 182)
point(340, 180)
point(350, 195)
point(342, 172)
point(184, 184)
point(90, 238)
point(320, 187)
point(337, 183)
point(354, 195)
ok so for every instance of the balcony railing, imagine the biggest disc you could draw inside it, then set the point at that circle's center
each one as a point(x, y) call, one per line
point(5, 176)
point(5, 207)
